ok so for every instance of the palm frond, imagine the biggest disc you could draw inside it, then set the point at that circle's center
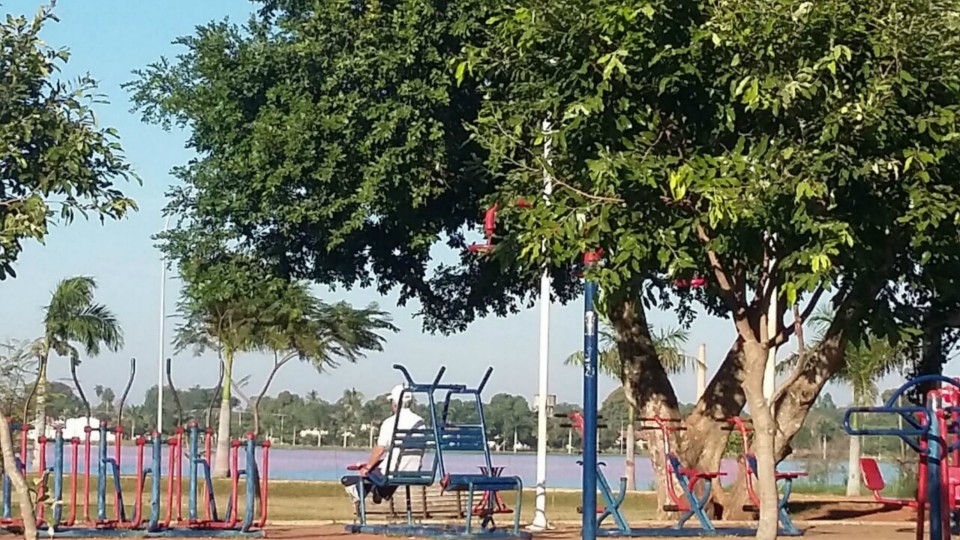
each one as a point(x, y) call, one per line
point(668, 344)
point(73, 317)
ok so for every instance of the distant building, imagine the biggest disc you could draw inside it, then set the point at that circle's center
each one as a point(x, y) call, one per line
point(74, 427)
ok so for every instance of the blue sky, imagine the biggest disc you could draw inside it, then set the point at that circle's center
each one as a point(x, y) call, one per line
point(109, 39)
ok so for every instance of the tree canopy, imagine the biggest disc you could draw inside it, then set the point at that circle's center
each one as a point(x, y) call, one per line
point(55, 160)
point(780, 150)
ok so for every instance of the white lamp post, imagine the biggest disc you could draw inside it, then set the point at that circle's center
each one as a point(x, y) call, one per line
point(163, 338)
point(540, 514)
point(369, 428)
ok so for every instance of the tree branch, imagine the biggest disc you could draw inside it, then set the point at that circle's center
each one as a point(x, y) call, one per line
point(277, 364)
point(734, 300)
point(785, 333)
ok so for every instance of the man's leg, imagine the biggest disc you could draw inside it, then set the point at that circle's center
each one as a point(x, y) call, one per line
point(353, 489)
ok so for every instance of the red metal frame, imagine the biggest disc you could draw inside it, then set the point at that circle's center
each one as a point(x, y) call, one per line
point(499, 505)
point(742, 425)
point(667, 426)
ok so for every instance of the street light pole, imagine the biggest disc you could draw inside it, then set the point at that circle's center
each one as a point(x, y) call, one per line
point(540, 514)
point(163, 340)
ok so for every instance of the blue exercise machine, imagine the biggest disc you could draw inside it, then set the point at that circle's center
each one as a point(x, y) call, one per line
point(682, 483)
point(440, 436)
point(931, 431)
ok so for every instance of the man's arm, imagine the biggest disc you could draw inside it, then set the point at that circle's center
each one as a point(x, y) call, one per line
point(376, 455)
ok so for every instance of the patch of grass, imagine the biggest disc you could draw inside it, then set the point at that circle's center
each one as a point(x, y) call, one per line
point(322, 501)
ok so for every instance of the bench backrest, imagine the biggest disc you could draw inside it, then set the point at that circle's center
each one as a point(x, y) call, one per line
point(410, 442)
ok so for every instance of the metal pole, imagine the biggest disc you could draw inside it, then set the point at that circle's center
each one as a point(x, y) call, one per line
point(589, 504)
point(540, 514)
point(163, 340)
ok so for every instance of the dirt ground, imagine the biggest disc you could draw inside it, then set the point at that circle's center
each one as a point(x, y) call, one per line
point(820, 518)
point(827, 531)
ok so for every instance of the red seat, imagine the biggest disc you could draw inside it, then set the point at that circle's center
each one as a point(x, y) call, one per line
point(873, 479)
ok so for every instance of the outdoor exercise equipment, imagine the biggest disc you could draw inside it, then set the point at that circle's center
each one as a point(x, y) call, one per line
point(688, 489)
point(682, 483)
point(440, 436)
point(101, 476)
point(749, 463)
point(873, 480)
point(932, 432)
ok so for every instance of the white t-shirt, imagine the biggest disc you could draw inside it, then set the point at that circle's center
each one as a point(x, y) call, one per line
point(400, 460)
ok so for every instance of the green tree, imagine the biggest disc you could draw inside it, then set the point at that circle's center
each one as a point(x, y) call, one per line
point(72, 322)
point(300, 326)
point(680, 142)
point(55, 163)
point(348, 416)
point(669, 346)
point(865, 364)
point(681, 145)
point(17, 366)
point(509, 418)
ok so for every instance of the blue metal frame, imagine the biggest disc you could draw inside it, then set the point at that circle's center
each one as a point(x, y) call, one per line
point(590, 467)
point(787, 526)
point(443, 437)
point(613, 503)
point(925, 426)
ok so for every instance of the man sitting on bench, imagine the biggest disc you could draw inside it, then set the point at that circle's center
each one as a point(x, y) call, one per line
point(400, 460)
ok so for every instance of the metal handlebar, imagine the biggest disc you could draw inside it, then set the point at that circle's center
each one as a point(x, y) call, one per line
point(892, 400)
point(917, 429)
point(486, 377)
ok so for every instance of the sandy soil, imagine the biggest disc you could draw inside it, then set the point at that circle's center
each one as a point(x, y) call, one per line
point(832, 531)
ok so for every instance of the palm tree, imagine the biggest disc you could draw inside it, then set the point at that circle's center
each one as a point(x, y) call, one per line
point(72, 321)
point(228, 328)
point(669, 345)
point(865, 364)
point(296, 325)
point(320, 334)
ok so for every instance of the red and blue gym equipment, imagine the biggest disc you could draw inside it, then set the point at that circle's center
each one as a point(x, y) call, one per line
point(932, 432)
point(71, 515)
point(749, 468)
point(440, 436)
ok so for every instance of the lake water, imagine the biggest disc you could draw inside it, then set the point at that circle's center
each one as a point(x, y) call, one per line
point(328, 464)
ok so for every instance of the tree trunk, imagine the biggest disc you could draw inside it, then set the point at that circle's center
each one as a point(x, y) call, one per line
point(932, 357)
point(853, 461)
point(853, 466)
point(763, 442)
point(17, 480)
point(646, 384)
point(631, 466)
point(798, 394)
point(40, 423)
point(705, 438)
point(221, 465)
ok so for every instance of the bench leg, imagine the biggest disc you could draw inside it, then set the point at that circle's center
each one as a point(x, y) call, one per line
point(516, 513)
point(487, 523)
point(612, 503)
point(409, 506)
point(362, 503)
point(785, 521)
point(470, 509)
point(696, 505)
